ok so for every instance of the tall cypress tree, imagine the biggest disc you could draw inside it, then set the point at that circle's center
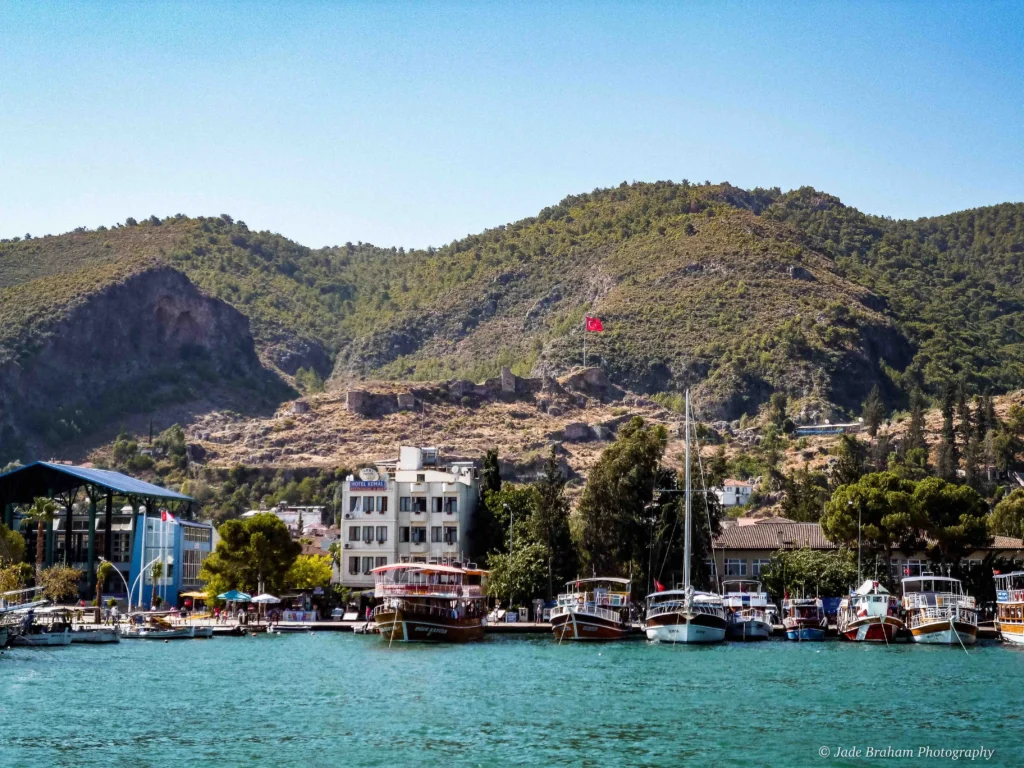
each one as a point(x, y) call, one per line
point(549, 524)
point(874, 411)
point(915, 430)
point(948, 459)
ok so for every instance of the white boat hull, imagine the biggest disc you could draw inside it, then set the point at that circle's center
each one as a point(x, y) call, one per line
point(685, 633)
point(203, 631)
point(184, 633)
point(96, 636)
point(44, 640)
point(946, 636)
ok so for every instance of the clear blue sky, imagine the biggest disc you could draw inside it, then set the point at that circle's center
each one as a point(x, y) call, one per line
point(414, 124)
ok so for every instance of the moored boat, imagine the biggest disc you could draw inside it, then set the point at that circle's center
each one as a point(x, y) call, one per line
point(42, 628)
point(938, 611)
point(592, 609)
point(203, 631)
point(685, 615)
point(749, 611)
point(870, 614)
point(429, 603)
point(804, 618)
point(98, 635)
point(1010, 606)
point(4, 637)
point(157, 628)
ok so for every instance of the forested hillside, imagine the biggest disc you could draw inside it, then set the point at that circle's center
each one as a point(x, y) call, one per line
point(735, 293)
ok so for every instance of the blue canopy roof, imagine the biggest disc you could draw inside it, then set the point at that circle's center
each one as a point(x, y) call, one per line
point(44, 478)
point(235, 596)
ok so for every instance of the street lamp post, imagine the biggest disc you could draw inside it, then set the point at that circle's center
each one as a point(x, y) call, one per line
point(141, 574)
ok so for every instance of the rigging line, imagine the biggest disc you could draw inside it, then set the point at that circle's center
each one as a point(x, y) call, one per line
point(668, 547)
point(707, 511)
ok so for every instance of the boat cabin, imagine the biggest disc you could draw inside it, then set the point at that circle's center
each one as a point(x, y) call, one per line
point(930, 591)
point(1010, 598)
point(422, 580)
point(598, 592)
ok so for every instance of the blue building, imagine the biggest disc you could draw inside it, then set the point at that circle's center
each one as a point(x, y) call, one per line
point(181, 545)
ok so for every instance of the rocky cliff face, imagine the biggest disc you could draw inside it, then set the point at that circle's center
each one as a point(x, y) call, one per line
point(151, 339)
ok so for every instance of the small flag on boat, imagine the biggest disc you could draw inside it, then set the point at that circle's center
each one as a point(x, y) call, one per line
point(166, 516)
point(658, 586)
point(594, 324)
point(906, 570)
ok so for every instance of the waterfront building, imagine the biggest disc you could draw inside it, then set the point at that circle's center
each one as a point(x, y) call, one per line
point(103, 526)
point(182, 545)
point(409, 510)
point(746, 545)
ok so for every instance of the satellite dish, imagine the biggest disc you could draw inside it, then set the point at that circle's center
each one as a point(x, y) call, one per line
point(368, 474)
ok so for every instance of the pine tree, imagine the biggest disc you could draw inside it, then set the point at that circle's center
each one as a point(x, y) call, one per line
point(874, 411)
point(971, 446)
point(915, 431)
point(549, 524)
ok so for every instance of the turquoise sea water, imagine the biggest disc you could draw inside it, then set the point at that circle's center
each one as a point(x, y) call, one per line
point(339, 699)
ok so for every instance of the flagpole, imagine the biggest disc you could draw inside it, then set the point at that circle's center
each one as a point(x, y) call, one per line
point(584, 341)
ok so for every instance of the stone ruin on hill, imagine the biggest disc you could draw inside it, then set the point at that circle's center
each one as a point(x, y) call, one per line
point(551, 395)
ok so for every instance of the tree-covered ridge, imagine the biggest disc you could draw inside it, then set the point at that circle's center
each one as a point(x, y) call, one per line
point(738, 292)
point(951, 283)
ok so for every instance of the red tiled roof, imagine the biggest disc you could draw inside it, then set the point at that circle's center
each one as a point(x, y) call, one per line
point(772, 535)
point(768, 535)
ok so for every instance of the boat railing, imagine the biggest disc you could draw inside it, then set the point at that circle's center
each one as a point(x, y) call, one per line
point(590, 610)
point(943, 613)
point(916, 600)
point(429, 590)
point(421, 609)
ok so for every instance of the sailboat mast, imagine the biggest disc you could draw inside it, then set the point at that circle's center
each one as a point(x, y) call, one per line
point(686, 536)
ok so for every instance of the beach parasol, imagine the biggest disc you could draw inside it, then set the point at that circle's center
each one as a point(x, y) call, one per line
point(234, 596)
point(265, 599)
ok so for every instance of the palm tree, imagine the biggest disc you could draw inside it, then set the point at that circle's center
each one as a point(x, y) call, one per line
point(335, 552)
point(43, 511)
point(104, 569)
point(155, 573)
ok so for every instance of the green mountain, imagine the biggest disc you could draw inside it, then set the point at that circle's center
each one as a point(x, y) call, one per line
point(733, 293)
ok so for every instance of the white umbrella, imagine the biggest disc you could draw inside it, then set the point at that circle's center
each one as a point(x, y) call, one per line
point(265, 599)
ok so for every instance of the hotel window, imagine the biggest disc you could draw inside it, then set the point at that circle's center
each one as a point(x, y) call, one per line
point(353, 533)
point(382, 561)
point(735, 567)
point(435, 534)
point(403, 534)
point(354, 503)
point(353, 565)
point(405, 504)
point(419, 559)
point(438, 504)
point(382, 534)
point(712, 569)
point(419, 503)
point(403, 559)
point(419, 534)
point(382, 504)
point(367, 534)
point(367, 564)
point(451, 505)
point(451, 535)
point(758, 567)
point(421, 478)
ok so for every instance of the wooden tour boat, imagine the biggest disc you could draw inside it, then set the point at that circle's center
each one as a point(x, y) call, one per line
point(804, 618)
point(159, 628)
point(429, 603)
point(1010, 605)
point(870, 614)
point(938, 611)
point(592, 609)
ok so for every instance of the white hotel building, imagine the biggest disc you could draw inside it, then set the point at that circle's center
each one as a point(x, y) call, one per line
point(410, 510)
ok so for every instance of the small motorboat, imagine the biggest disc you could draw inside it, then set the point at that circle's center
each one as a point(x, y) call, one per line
point(158, 628)
point(98, 635)
point(749, 610)
point(206, 631)
point(41, 629)
point(804, 618)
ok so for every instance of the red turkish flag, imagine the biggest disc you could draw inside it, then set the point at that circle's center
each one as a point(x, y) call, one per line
point(658, 586)
point(594, 324)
